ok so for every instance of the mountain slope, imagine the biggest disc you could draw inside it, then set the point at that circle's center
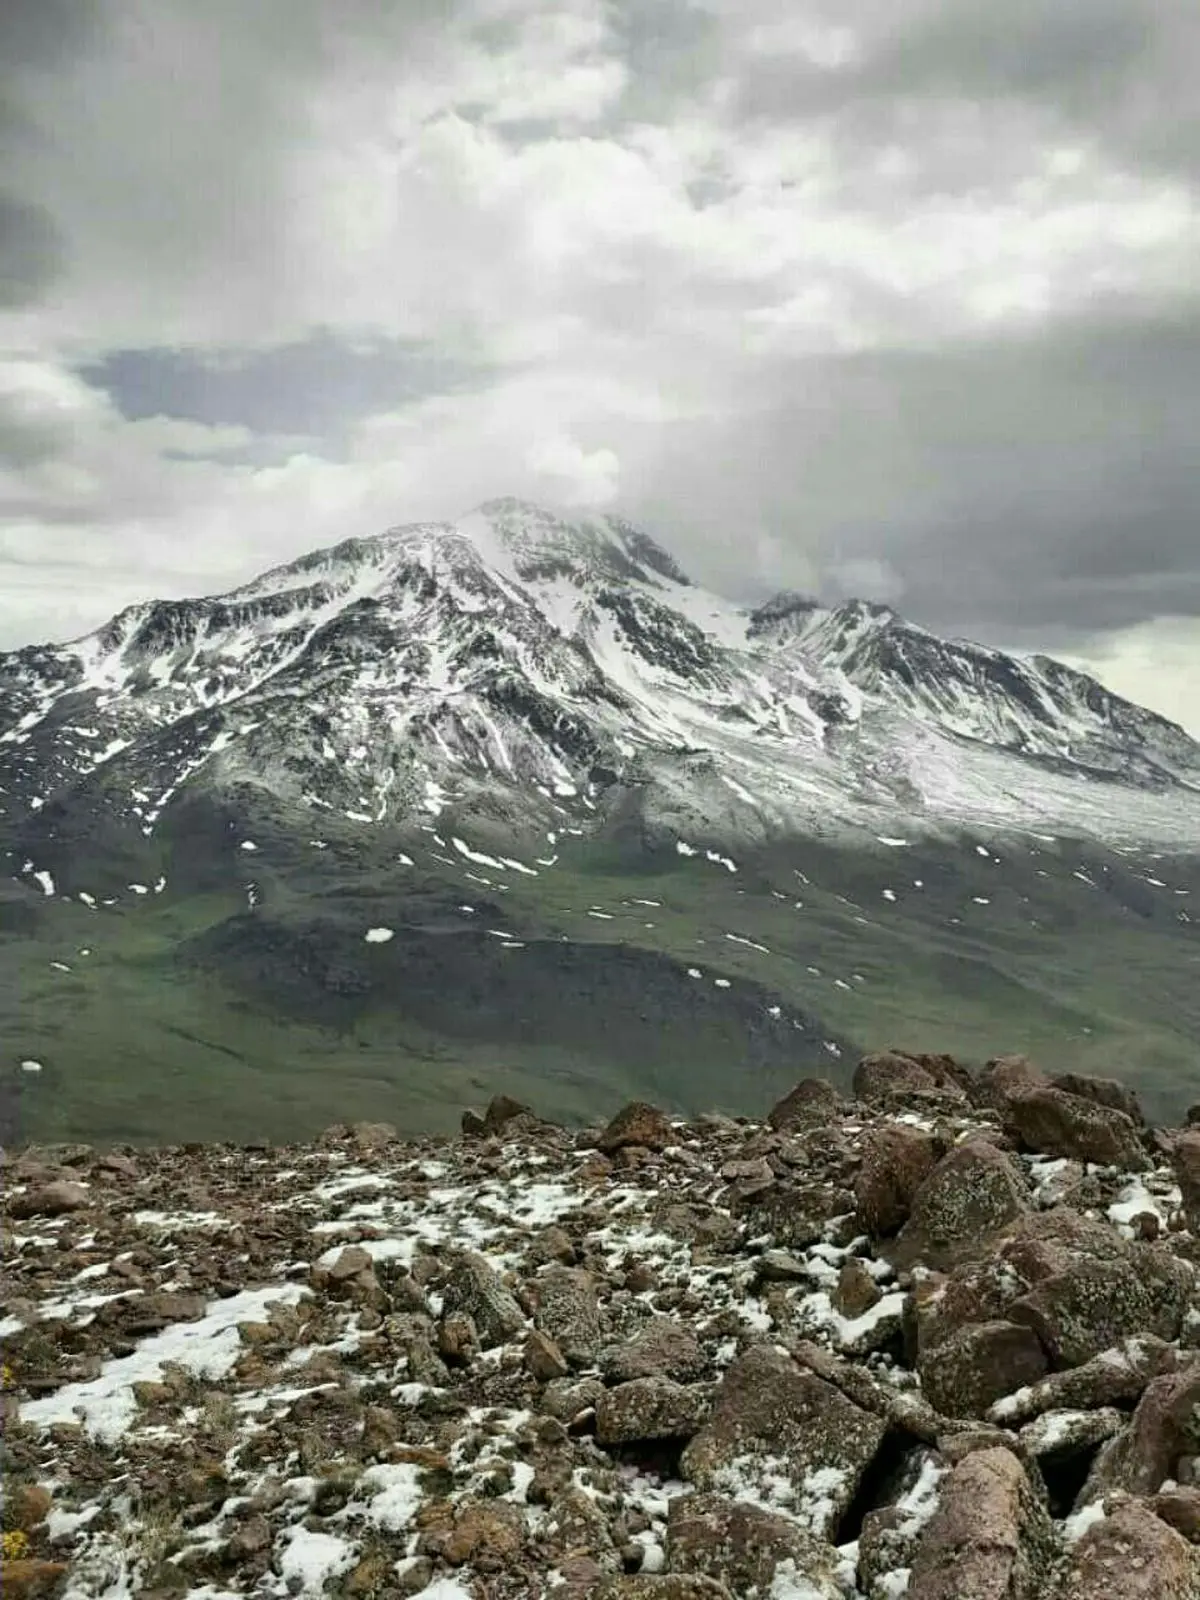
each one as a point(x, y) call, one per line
point(514, 788)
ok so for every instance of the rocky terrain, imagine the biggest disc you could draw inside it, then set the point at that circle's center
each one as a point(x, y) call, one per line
point(938, 1340)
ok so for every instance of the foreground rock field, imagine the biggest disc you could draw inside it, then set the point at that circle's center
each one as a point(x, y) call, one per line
point(939, 1341)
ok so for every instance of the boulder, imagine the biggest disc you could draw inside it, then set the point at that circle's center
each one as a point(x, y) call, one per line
point(1104, 1092)
point(56, 1199)
point(637, 1125)
point(473, 1285)
point(1092, 1305)
point(1165, 1426)
point(972, 1194)
point(964, 1375)
point(896, 1160)
point(1115, 1377)
point(747, 1548)
point(1185, 1158)
point(990, 1538)
point(887, 1073)
point(1131, 1554)
point(651, 1408)
point(568, 1311)
point(1055, 1123)
point(1002, 1075)
point(771, 1417)
point(662, 1348)
point(812, 1102)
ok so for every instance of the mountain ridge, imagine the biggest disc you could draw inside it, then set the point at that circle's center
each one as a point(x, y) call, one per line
point(591, 647)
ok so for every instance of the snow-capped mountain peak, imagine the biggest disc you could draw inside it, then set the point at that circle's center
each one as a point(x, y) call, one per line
point(514, 658)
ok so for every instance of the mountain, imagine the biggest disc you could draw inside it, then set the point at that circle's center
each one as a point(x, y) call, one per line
point(310, 821)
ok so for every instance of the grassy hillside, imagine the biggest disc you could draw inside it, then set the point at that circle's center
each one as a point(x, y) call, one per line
point(614, 971)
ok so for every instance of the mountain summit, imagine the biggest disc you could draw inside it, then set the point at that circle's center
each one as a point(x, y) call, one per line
point(512, 657)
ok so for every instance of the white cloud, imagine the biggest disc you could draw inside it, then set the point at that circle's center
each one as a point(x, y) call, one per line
point(576, 477)
point(1156, 664)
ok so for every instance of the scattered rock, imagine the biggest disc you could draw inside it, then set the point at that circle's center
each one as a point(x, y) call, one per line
point(964, 1375)
point(770, 1416)
point(972, 1194)
point(650, 1408)
point(1133, 1554)
point(811, 1103)
point(1059, 1124)
point(989, 1538)
point(638, 1124)
point(748, 1549)
point(896, 1160)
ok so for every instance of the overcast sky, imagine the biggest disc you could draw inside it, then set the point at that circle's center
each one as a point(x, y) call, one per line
point(890, 297)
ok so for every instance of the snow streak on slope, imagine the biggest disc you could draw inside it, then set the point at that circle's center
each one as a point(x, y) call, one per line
point(513, 660)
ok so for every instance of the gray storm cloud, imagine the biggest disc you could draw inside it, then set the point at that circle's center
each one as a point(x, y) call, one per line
point(904, 296)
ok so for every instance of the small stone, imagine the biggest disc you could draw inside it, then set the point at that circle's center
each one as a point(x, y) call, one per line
point(856, 1290)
